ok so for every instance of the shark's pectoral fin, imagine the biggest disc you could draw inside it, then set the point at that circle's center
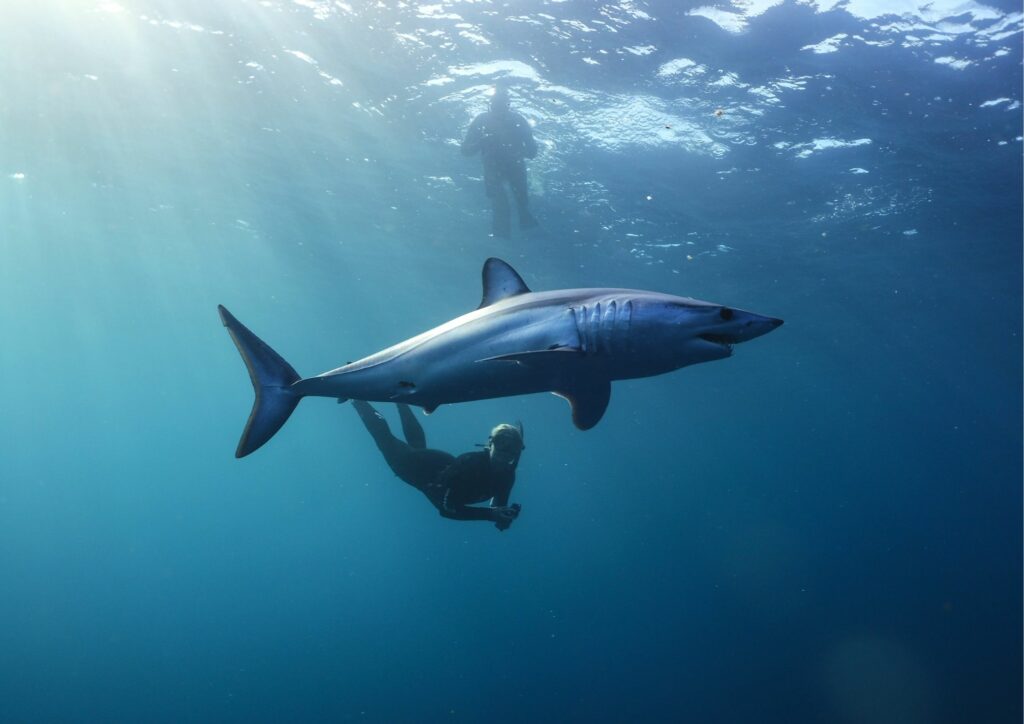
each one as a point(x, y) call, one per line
point(588, 402)
point(534, 357)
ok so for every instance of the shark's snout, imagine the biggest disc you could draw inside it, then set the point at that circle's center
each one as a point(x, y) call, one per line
point(737, 326)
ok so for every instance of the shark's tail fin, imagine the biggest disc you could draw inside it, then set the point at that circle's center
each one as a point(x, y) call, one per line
point(272, 380)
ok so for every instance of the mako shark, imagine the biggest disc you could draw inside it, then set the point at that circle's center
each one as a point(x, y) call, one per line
point(572, 342)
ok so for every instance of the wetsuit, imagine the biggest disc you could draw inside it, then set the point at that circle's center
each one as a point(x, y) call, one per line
point(504, 140)
point(452, 484)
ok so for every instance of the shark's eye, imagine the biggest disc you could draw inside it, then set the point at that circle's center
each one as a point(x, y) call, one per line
point(725, 313)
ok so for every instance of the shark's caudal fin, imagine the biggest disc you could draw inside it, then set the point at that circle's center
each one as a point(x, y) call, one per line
point(272, 379)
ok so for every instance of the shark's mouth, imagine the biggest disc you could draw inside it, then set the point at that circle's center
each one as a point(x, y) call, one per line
point(718, 339)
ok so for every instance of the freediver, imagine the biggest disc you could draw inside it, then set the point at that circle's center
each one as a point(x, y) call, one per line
point(504, 140)
point(452, 484)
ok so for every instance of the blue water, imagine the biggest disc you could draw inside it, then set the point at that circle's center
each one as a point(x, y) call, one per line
point(824, 528)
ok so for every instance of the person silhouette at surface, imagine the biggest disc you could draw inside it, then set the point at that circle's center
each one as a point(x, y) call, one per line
point(504, 141)
point(452, 484)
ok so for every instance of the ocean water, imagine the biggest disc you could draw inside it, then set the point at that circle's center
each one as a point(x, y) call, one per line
point(825, 527)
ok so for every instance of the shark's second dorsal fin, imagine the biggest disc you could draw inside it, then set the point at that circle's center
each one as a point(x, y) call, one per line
point(500, 282)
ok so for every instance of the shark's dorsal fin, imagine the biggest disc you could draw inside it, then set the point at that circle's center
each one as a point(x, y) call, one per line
point(588, 402)
point(500, 282)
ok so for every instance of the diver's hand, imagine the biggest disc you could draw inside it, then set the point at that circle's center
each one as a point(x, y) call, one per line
point(505, 514)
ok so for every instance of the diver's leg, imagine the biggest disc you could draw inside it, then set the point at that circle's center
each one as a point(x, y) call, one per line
point(517, 182)
point(390, 446)
point(500, 223)
point(411, 428)
point(425, 468)
point(494, 184)
point(418, 468)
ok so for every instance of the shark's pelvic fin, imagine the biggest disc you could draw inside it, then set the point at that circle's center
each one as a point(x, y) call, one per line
point(588, 402)
point(500, 282)
point(272, 380)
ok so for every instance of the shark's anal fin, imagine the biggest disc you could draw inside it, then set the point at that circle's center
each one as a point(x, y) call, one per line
point(500, 282)
point(588, 402)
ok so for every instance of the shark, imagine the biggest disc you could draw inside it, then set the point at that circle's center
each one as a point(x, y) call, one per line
point(572, 342)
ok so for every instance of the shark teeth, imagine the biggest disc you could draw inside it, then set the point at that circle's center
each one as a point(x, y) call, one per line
point(717, 339)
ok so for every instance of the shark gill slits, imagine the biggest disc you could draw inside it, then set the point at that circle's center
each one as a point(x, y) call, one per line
point(725, 313)
point(607, 329)
point(579, 315)
point(594, 328)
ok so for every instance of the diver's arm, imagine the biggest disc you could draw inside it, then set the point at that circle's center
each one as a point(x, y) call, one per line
point(501, 516)
point(501, 492)
point(529, 145)
point(504, 513)
point(474, 137)
point(467, 512)
point(469, 465)
point(461, 468)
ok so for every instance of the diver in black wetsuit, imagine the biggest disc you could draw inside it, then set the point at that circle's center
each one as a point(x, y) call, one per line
point(504, 140)
point(451, 483)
